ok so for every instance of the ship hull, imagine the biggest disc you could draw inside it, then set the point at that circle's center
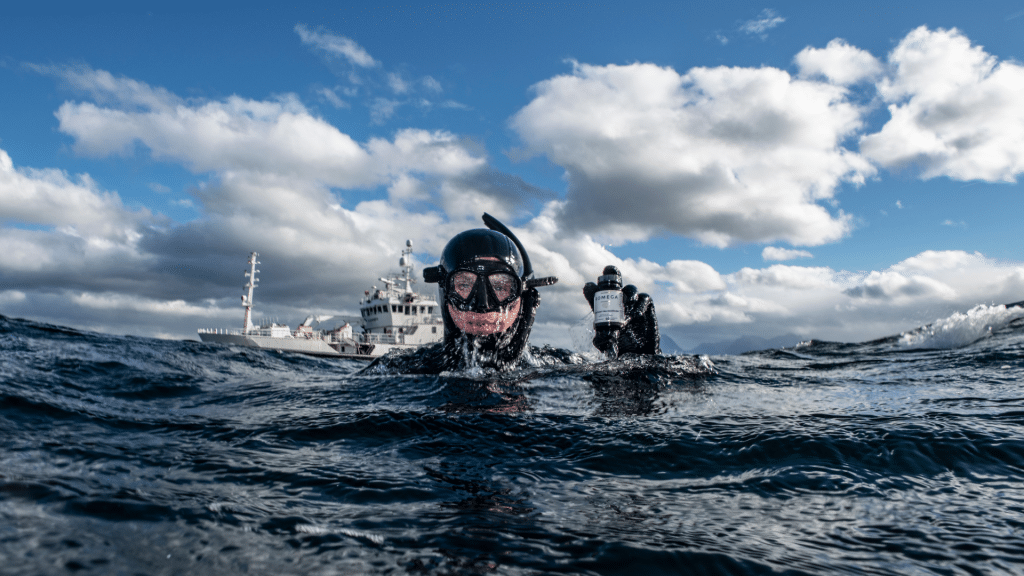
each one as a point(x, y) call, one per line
point(308, 346)
point(311, 347)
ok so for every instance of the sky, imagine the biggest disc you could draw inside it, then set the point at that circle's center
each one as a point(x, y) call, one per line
point(838, 172)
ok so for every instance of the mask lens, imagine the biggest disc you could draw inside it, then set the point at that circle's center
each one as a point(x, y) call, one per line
point(503, 284)
point(463, 282)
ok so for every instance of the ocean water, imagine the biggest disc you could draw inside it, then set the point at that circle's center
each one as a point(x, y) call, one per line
point(126, 455)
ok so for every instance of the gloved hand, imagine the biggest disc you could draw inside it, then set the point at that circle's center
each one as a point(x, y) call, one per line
point(639, 335)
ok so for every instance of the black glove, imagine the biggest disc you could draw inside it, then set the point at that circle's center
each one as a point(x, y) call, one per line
point(639, 335)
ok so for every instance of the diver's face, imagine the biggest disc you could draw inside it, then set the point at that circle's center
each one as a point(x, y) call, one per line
point(483, 323)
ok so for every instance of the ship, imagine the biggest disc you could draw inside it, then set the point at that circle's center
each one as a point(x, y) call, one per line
point(392, 317)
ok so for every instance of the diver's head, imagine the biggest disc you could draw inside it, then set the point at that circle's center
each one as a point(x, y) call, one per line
point(487, 292)
point(480, 283)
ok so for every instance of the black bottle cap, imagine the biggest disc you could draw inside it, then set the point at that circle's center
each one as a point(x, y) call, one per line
point(610, 280)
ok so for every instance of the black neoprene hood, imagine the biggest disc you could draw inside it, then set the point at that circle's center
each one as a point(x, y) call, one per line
point(472, 245)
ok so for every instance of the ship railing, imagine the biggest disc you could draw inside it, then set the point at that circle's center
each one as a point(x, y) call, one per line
point(234, 332)
point(382, 338)
point(228, 331)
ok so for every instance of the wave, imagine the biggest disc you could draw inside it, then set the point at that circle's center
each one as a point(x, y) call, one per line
point(961, 328)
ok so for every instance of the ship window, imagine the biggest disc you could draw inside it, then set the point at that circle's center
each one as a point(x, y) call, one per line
point(407, 310)
point(430, 310)
point(414, 311)
point(394, 308)
point(433, 329)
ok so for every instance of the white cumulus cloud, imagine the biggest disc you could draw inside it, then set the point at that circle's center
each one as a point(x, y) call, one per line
point(272, 177)
point(50, 197)
point(724, 155)
point(840, 62)
point(775, 253)
point(956, 110)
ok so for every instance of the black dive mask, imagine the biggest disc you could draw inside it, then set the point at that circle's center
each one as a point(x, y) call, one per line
point(482, 286)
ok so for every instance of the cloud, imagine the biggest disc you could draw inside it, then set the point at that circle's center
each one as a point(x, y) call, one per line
point(236, 133)
point(773, 253)
point(781, 276)
point(318, 256)
point(271, 177)
point(955, 110)
point(397, 84)
point(891, 285)
point(839, 62)
point(431, 84)
point(78, 207)
point(812, 302)
point(688, 276)
point(106, 89)
point(273, 137)
point(63, 233)
point(335, 45)
point(332, 97)
point(822, 303)
point(937, 275)
point(934, 261)
point(724, 155)
point(767, 20)
point(383, 109)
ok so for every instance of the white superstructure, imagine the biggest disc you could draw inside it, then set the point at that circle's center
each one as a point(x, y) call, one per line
point(395, 316)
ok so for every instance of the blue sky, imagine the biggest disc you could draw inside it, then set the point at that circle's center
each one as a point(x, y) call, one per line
point(842, 172)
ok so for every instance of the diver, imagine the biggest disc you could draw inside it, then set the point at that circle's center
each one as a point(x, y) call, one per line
point(489, 299)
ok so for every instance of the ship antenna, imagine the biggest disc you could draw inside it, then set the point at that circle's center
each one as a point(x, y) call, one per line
point(247, 299)
point(406, 263)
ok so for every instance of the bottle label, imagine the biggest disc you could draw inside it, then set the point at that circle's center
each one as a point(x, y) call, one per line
point(608, 308)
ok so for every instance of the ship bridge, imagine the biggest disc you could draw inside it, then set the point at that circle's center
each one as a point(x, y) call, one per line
point(398, 309)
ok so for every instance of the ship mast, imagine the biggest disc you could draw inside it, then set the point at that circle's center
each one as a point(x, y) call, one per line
point(247, 299)
point(406, 263)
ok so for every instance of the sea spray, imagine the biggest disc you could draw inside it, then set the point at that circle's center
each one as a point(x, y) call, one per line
point(961, 328)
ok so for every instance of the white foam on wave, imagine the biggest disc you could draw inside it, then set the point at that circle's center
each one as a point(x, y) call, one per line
point(961, 329)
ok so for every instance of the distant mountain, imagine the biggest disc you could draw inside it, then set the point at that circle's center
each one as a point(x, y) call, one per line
point(744, 344)
point(669, 346)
